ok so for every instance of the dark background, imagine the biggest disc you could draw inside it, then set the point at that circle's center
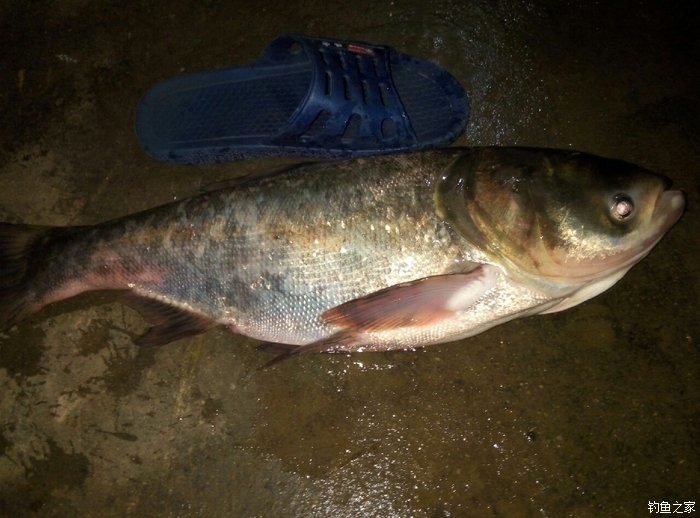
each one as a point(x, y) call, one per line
point(588, 412)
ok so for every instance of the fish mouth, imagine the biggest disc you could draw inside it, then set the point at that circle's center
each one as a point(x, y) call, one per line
point(669, 209)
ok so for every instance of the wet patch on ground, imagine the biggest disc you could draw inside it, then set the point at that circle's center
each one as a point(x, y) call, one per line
point(21, 351)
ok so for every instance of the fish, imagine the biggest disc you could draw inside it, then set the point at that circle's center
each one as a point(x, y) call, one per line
point(379, 253)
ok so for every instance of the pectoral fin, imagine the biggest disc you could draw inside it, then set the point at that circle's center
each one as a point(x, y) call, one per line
point(416, 303)
point(422, 302)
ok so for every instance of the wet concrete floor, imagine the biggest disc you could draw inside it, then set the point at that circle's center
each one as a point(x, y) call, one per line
point(589, 412)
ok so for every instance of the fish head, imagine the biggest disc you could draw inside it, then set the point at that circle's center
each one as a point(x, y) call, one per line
point(564, 217)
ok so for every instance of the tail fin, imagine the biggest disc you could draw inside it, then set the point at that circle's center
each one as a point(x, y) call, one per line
point(20, 247)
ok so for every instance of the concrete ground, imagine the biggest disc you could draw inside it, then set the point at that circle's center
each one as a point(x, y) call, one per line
point(590, 412)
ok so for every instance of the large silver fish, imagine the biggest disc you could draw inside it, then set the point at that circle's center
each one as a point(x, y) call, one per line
point(379, 253)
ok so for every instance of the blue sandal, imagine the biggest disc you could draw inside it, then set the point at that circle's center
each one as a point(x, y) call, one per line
point(305, 96)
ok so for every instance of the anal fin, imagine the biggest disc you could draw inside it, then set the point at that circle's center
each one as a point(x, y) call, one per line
point(169, 323)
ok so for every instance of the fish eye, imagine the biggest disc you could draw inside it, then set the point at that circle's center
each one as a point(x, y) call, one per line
point(622, 207)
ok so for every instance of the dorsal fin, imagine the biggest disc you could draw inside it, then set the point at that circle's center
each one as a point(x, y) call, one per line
point(231, 183)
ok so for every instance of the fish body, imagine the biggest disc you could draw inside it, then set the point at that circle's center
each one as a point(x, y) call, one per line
point(371, 254)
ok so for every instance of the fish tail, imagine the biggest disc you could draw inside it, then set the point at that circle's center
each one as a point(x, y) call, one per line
point(20, 255)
